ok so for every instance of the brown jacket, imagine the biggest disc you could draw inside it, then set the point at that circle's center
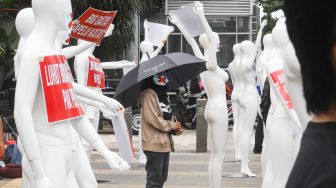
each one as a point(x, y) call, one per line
point(154, 128)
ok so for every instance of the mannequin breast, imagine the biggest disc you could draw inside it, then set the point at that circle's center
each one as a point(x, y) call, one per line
point(81, 66)
point(48, 134)
point(214, 82)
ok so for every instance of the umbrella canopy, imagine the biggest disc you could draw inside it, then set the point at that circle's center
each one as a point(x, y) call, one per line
point(180, 68)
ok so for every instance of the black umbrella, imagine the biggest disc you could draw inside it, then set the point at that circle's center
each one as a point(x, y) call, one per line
point(180, 68)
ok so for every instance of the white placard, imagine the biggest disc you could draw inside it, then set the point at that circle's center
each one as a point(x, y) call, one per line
point(190, 20)
point(123, 138)
point(158, 32)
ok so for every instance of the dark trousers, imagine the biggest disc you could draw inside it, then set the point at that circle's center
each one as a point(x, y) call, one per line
point(156, 168)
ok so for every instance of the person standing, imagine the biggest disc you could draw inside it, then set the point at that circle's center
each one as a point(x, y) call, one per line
point(157, 142)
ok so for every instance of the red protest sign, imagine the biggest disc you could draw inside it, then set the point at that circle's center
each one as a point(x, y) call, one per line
point(278, 80)
point(96, 75)
point(92, 25)
point(59, 97)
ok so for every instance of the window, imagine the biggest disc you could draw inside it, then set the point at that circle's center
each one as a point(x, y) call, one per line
point(243, 24)
point(174, 43)
point(241, 38)
point(225, 56)
point(223, 24)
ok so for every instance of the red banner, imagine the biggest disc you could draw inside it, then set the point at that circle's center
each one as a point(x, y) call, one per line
point(96, 75)
point(278, 80)
point(92, 25)
point(59, 97)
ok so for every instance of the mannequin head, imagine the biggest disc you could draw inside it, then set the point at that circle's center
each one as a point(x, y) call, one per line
point(279, 33)
point(205, 42)
point(24, 22)
point(236, 49)
point(57, 14)
point(246, 47)
point(146, 47)
point(268, 41)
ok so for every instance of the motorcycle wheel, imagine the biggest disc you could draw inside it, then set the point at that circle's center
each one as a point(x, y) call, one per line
point(187, 120)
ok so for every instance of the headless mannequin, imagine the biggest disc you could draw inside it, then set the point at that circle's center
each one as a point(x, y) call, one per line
point(249, 99)
point(214, 81)
point(283, 131)
point(262, 75)
point(147, 52)
point(292, 74)
point(81, 66)
point(48, 148)
point(237, 86)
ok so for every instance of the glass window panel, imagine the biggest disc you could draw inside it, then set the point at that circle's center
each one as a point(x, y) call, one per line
point(241, 38)
point(186, 48)
point(225, 56)
point(243, 24)
point(224, 24)
point(174, 43)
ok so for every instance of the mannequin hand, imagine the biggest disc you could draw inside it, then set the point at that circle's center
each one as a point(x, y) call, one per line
point(109, 31)
point(107, 113)
point(172, 29)
point(199, 10)
point(263, 23)
point(162, 42)
point(146, 24)
point(42, 182)
point(116, 162)
point(173, 18)
point(114, 105)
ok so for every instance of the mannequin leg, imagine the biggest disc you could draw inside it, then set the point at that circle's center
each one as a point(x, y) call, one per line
point(57, 164)
point(27, 174)
point(280, 133)
point(235, 112)
point(249, 113)
point(218, 136)
point(266, 162)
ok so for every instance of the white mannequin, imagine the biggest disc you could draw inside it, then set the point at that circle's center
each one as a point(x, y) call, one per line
point(214, 83)
point(283, 132)
point(249, 99)
point(147, 52)
point(81, 66)
point(237, 86)
point(48, 148)
point(292, 71)
point(262, 75)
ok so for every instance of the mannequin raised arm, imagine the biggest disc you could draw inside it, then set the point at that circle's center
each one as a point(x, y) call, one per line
point(257, 46)
point(158, 50)
point(85, 92)
point(199, 10)
point(197, 51)
point(118, 64)
point(72, 51)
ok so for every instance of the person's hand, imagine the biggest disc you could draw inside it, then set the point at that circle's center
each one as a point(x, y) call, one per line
point(263, 24)
point(117, 163)
point(42, 182)
point(146, 24)
point(109, 31)
point(173, 18)
point(199, 10)
point(177, 126)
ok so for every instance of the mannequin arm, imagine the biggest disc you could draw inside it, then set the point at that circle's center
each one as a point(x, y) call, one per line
point(26, 92)
point(146, 30)
point(72, 51)
point(117, 64)
point(16, 65)
point(107, 113)
point(173, 19)
point(257, 45)
point(158, 50)
point(199, 10)
point(83, 91)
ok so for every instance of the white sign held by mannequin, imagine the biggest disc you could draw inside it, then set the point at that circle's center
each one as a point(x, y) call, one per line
point(158, 32)
point(190, 20)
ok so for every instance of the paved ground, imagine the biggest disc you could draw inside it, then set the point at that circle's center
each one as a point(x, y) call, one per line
point(188, 169)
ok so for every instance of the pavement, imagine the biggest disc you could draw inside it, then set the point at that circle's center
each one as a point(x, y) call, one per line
point(188, 169)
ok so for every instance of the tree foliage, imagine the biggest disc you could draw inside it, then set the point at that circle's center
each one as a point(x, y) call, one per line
point(269, 7)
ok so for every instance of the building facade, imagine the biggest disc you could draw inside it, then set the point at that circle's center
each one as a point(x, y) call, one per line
point(234, 21)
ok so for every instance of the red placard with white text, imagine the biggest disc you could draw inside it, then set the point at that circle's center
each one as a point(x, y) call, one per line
point(59, 97)
point(92, 25)
point(278, 80)
point(96, 75)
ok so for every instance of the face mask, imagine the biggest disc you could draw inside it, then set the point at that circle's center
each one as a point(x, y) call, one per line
point(160, 79)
